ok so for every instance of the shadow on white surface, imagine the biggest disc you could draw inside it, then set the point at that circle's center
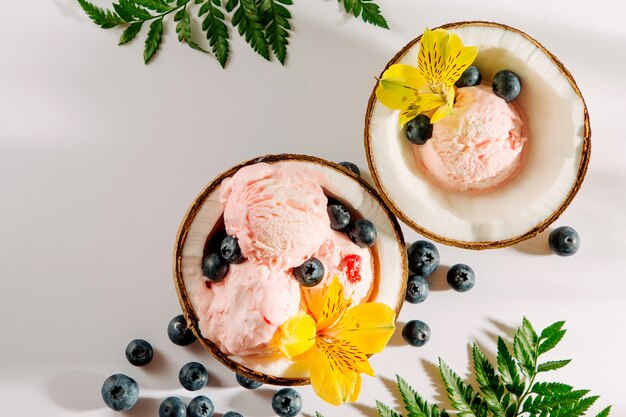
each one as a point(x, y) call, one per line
point(144, 407)
point(441, 396)
point(537, 245)
point(396, 338)
point(364, 410)
point(253, 403)
point(76, 390)
point(438, 281)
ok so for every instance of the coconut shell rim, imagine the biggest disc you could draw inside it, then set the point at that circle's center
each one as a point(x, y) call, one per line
point(183, 297)
point(481, 245)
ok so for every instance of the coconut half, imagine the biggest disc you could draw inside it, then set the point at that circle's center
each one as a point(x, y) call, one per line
point(204, 218)
point(559, 147)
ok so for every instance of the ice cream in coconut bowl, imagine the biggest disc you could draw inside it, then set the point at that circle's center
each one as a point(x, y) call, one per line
point(476, 135)
point(291, 270)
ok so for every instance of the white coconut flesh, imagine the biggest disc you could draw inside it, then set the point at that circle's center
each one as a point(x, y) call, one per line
point(387, 252)
point(555, 128)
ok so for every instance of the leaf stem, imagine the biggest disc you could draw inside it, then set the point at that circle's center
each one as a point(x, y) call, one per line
point(530, 384)
point(176, 8)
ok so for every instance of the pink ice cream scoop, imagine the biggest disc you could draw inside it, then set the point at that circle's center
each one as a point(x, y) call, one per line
point(278, 213)
point(242, 313)
point(351, 264)
point(479, 146)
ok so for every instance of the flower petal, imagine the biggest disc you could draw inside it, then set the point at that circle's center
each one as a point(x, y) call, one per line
point(399, 84)
point(430, 58)
point(457, 61)
point(335, 371)
point(345, 354)
point(297, 335)
point(368, 326)
point(441, 112)
point(332, 384)
point(333, 307)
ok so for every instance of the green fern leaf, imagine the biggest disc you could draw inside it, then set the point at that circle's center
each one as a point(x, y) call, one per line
point(552, 365)
point(367, 9)
point(275, 19)
point(153, 41)
point(460, 394)
point(130, 32)
point(248, 22)
point(386, 411)
point(216, 31)
point(106, 19)
point(489, 383)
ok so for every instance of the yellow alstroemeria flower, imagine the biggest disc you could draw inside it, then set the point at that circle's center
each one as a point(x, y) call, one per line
point(441, 60)
point(336, 339)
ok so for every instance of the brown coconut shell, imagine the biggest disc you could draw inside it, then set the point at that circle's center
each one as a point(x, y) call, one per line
point(183, 297)
point(582, 168)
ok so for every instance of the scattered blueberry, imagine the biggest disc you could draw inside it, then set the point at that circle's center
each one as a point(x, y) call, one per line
point(416, 333)
point(214, 267)
point(232, 414)
point(506, 85)
point(564, 241)
point(352, 167)
point(471, 76)
point(120, 392)
point(416, 289)
point(339, 216)
point(310, 273)
point(461, 277)
point(363, 233)
point(139, 352)
point(419, 129)
point(193, 376)
point(230, 250)
point(247, 383)
point(172, 407)
point(287, 402)
point(179, 333)
point(423, 258)
point(200, 406)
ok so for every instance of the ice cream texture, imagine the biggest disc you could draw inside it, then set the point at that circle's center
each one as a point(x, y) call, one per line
point(242, 313)
point(351, 264)
point(278, 214)
point(479, 146)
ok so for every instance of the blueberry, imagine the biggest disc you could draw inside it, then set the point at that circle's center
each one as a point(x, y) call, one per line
point(416, 333)
point(461, 277)
point(416, 289)
point(310, 273)
point(247, 383)
point(232, 414)
point(471, 76)
point(172, 407)
point(506, 85)
point(230, 250)
point(363, 233)
point(179, 333)
point(120, 392)
point(193, 376)
point(214, 267)
point(139, 352)
point(423, 258)
point(352, 167)
point(419, 129)
point(339, 216)
point(200, 406)
point(287, 402)
point(564, 241)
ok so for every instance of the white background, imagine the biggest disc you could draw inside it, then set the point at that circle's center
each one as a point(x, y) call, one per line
point(100, 156)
